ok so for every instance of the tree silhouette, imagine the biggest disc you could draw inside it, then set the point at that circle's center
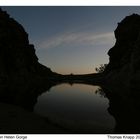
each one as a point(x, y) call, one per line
point(100, 92)
point(101, 68)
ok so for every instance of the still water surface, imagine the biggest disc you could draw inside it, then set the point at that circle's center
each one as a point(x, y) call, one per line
point(78, 107)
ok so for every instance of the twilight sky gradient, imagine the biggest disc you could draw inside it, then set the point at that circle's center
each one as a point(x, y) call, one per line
point(71, 39)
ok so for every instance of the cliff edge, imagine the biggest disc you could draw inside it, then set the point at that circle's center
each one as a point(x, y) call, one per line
point(124, 56)
point(18, 61)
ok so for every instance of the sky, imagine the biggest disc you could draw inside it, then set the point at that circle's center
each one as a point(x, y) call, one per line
point(71, 39)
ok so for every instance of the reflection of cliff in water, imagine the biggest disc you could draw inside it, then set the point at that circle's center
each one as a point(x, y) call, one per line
point(26, 97)
point(17, 114)
point(125, 110)
point(123, 106)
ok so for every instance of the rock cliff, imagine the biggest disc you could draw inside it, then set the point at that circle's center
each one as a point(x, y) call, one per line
point(18, 61)
point(124, 56)
point(22, 80)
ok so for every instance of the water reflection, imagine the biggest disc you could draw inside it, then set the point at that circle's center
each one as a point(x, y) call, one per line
point(124, 106)
point(77, 107)
point(64, 108)
point(100, 92)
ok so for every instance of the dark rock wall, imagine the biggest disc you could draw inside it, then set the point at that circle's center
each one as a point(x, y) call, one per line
point(124, 56)
point(17, 56)
point(22, 77)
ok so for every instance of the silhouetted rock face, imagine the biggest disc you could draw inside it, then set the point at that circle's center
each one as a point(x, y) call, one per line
point(18, 61)
point(124, 64)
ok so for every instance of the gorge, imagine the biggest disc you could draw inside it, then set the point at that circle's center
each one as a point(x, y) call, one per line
point(23, 79)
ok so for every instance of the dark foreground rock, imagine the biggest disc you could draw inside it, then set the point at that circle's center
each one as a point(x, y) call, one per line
point(14, 119)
